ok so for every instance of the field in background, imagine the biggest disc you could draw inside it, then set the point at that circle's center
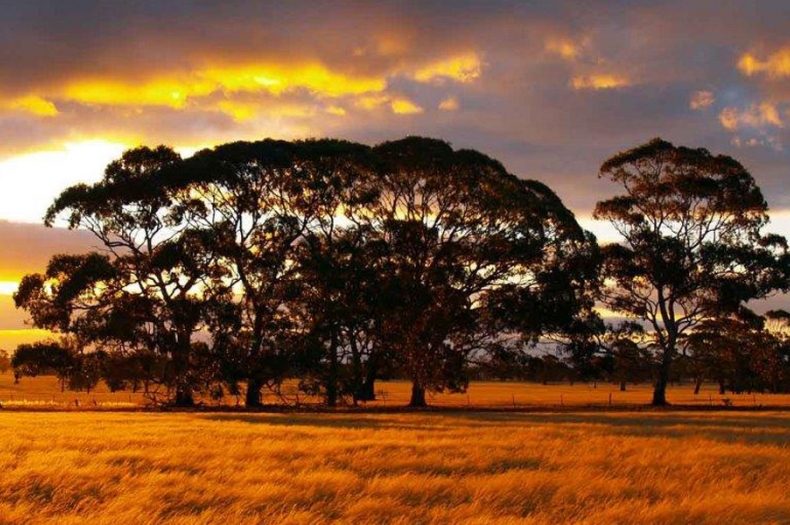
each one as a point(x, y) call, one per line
point(98, 468)
point(44, 392)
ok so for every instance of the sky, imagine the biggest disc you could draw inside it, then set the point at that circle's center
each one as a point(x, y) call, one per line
point(550, 88)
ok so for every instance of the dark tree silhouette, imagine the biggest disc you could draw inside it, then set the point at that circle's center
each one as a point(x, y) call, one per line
point(44, 358)
point(5, 362)
point(692, 243)
point(261, 201)
point(141, 292)
point(324, 260)
point(458, 227)
point(737, 352)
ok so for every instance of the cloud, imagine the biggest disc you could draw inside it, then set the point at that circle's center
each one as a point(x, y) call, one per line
point(702, 99)
point(775, 65)
point(463, 68)
point(32, 104)
point(403, 106)
point(564, 48)
point(599, 81)
point(759, 115)
point(28, 247)
point(543, 84)
point(449, 104)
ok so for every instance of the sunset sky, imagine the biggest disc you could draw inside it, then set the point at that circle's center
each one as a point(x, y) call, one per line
point(549, 88)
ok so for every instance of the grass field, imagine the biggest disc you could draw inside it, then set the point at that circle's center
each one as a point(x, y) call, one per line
point(44, 392)
point(98, 468)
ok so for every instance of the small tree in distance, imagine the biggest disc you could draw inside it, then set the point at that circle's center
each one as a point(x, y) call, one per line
point(5, 362)
point(692, 243)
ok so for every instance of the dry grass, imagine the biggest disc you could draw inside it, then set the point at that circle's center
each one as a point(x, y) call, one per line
point(498, 468)
point(44, 392)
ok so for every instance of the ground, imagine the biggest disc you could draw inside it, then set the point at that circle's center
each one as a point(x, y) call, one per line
point(97, 468)
point(44, 392)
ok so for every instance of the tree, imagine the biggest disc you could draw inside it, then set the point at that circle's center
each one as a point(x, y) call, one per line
point(142, 292)
point(44, 358)
point(459, 229)
point(600, 350)
point(692, 243)
point(5, 362)
point(262, 201)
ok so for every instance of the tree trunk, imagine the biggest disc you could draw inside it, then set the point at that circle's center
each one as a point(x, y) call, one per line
point(183, 396)
point(356, 360)
point(331, 382)
point(697, 385)
point(253, 397)
point(662, 379)
point(367, 391)
point(622, 386)
point(417, 396)
point(660, 392)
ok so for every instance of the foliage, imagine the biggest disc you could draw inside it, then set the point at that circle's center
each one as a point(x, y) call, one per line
point(693, 247)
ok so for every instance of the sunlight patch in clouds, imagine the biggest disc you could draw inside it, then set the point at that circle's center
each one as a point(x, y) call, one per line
point(8, 287)
point(32, 181)
point(776, 65)
point(564, 48)
point(227, 89)
point(403, 106)
point(600, 81)
point(463, 68)
point(34, 105)
point(754, 116)
point(176, 92)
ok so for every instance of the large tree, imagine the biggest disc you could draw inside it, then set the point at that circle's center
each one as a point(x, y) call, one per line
point(460, 231)
point(262, 201)
point(692, 244)
point(142, 291)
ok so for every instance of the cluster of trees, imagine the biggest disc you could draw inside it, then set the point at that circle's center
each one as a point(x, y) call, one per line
point(336, 263)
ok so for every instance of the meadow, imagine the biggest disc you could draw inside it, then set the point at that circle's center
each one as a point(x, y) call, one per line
point(44, 393)
point(101, 468)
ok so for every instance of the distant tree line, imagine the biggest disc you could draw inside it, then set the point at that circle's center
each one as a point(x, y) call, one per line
point(335, 264)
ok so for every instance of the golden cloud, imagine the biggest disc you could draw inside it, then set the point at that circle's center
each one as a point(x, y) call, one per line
point(234, 84)
point(754, 116)
point(565, 48)
point(462, 68)
point(335, 110)
point(404, 106)
point(599, 81)
point(776, 65)
point(32, 104)
point(175, 92)
point(397, 104)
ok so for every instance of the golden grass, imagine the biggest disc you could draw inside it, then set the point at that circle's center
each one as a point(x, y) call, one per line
point(44, 392)
point(466, 468)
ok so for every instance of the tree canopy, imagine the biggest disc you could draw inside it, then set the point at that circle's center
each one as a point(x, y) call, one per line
point(693, 243)
point(335, 264)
